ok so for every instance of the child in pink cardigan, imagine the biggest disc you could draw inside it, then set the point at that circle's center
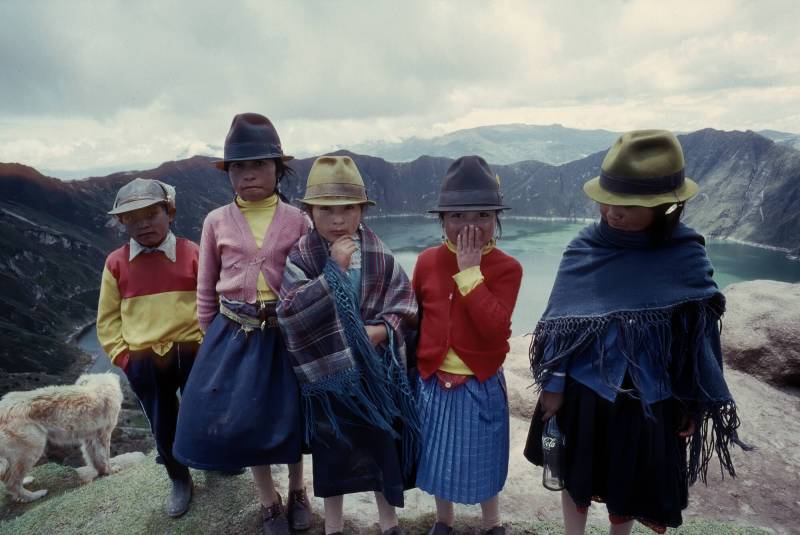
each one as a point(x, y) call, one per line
point(241, 405)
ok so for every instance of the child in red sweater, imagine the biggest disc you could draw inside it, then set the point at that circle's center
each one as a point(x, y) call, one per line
point(467, 289)
point(147, 316)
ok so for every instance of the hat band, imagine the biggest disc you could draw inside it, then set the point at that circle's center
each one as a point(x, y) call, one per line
point(254, 150)
point(472, 196)
point(639, 186)
point(336, 190)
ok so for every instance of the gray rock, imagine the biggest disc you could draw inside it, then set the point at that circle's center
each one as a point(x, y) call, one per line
point(761, 330)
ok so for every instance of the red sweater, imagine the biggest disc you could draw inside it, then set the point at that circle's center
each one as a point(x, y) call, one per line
point(477, 326)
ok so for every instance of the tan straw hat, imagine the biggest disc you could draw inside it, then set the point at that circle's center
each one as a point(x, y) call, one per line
point(642, 168)
point(335, 180)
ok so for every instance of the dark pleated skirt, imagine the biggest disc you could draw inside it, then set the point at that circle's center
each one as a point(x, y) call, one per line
point(615, 455)
point(365, 459)
point(241, 404)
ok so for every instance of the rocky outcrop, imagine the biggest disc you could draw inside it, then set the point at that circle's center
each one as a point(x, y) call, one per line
point(761, 330)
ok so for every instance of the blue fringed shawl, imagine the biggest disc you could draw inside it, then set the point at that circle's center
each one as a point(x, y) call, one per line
point(323, 323)
point(662, 299)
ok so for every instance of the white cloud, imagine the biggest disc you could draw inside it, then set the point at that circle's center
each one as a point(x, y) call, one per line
point(123, 83)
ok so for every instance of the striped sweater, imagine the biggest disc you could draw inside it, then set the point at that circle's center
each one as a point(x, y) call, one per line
point(148, 302)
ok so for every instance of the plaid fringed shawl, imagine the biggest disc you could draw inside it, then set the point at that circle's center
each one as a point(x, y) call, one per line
point(324, 330)
point(666, 306)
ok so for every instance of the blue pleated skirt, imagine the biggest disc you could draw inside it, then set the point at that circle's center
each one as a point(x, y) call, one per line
point(241, 404)
point(465, 439)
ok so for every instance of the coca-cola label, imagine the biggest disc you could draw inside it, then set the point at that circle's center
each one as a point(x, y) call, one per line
point(549, 443)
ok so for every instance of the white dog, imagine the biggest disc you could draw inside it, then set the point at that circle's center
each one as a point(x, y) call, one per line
point(84, 413)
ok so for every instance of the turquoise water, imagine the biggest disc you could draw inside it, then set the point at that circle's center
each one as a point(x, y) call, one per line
point(538, 246)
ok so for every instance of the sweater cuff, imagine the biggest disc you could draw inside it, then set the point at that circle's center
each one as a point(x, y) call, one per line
point(468, 279)
point(556, 383)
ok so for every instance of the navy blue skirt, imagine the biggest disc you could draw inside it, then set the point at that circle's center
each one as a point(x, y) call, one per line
point(241, 404)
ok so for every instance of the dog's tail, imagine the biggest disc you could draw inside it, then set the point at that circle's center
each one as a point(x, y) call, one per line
point(3, 467)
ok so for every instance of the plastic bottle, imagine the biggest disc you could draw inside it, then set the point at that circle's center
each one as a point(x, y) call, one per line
point(553, 455)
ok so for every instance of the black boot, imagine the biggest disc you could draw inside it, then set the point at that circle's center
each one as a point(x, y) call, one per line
point(299, 510)
point(180, 496)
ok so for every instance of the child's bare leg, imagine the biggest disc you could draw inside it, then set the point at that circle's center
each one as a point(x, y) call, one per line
point(491, 512)
point(296, 476)
point(334, 514)
point(574, 520)
point(621, 529)
point(444, 512)
point(264, 484)
point(387, 516)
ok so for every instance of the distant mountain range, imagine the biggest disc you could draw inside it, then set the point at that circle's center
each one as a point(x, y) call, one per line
point(56, 234)
point(498, 144)
point(783, 138)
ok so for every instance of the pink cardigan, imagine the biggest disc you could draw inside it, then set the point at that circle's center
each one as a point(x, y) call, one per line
point(230, 261)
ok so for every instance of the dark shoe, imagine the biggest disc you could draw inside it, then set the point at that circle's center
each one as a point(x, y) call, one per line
point(440, 528)
point(180, 496)
point(231, 473)
point(497, 530)
point(397, 530)
point(274, 519)
point(299, 510)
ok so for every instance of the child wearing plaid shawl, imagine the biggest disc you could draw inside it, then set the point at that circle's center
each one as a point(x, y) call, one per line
point(348, 315)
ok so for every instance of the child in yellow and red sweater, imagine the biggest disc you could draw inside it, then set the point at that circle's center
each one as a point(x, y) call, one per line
point(147, 315)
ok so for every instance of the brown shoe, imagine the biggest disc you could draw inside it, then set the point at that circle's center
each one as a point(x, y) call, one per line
point(497, 530)
point(299, 510)
point(396, 530)
point(274, 519)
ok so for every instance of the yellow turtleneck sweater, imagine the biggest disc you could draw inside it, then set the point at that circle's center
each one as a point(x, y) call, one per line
point(466, 281)
point(259, 215)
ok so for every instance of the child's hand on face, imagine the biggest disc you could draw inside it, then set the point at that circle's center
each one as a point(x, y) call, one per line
point(342, 250)
point(468, 247)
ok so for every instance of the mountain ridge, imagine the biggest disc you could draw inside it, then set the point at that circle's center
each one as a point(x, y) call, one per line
point(57, 234)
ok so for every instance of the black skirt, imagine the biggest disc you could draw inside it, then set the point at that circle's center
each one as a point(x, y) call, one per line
point(616, 455)
point(363, 459)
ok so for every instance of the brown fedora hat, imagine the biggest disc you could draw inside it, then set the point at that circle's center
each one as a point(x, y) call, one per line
point(251, 137)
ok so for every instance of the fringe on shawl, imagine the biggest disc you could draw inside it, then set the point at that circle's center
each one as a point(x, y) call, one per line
point(643, 333)
point(377, 392)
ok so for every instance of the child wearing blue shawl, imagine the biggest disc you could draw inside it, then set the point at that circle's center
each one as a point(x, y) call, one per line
point(627, 353)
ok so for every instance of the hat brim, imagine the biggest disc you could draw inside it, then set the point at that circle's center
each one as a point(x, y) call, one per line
point(334, 201)
point(469, 208)
point(595, 192)
point(220, 164)
point(135, 205)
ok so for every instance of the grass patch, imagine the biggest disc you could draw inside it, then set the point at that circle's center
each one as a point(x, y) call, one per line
point(132, 502)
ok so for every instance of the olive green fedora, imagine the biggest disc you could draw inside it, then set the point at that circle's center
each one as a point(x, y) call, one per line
point(642, 168)
point(334, 180)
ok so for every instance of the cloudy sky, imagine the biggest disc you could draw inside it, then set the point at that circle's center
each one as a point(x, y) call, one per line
point(106, 85)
